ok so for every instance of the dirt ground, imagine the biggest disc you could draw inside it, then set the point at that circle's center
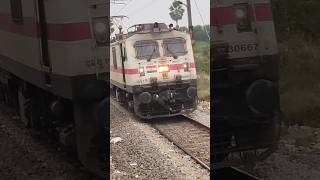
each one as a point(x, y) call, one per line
point(297, 158)
point(25, 155)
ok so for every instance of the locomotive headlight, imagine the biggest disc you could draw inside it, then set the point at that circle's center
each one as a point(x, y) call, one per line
point(163, 69)
point(186, 67)
point(100, 30)
point(241, 13)
point(141, 71)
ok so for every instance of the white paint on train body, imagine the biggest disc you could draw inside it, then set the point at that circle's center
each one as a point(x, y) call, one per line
point(156, 61)
point(250, 33)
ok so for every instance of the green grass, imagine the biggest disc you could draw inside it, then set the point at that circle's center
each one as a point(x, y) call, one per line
point(203, 87)
point(202, 56)
point(300, 81)
point(202, 59)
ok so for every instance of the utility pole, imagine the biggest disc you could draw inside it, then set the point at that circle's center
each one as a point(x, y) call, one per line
point(188, 5)
point(190, 18)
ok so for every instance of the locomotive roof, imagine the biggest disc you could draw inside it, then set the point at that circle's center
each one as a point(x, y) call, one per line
point(152, 35)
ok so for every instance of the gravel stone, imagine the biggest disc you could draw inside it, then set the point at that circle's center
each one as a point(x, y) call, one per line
point(26, 155)
point(296, 157)
point(155, 156)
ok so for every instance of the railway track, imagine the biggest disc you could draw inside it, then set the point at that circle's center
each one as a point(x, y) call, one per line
point(189, 135)
point(234, 173)
point(193, 138)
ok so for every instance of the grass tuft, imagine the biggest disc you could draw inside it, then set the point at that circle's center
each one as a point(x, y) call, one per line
point(300, 81)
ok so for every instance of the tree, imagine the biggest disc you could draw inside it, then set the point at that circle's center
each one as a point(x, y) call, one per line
point(176, 11)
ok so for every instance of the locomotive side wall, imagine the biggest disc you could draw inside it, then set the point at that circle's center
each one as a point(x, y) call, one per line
point(74, 57)
point(260, 12)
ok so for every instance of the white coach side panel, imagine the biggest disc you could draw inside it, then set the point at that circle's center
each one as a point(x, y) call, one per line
point(20, 38)
point(75, 52)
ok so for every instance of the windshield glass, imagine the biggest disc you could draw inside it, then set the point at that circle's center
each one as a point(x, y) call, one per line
point(146, 49)
point(174, 46)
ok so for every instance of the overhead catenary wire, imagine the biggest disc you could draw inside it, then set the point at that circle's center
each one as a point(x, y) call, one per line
point(117, 1)
point(195, 1)
point(124, 6)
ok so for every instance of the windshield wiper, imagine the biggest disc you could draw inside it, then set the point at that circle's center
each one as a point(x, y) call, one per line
point(154, 50)
point(174, 55)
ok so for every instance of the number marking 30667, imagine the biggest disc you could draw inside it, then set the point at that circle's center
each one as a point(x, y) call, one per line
point(242, 48)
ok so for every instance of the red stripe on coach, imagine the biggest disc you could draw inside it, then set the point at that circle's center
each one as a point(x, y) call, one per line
point(180, 66)
point(176, 66)
point(151, 67)
point(28, 28)
point(225, 15)
point(126, 71)
point(69, 32)
point(57, 32)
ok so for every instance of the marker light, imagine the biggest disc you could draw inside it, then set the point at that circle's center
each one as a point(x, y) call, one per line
point(141, 71)
point(100, 30)
point(186, 67)
point(241, 13)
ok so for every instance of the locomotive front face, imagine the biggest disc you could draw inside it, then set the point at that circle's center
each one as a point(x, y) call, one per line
point(244, 52)
point(160, 72)
point(244, 68)
point(164, 61)
point(167, 74)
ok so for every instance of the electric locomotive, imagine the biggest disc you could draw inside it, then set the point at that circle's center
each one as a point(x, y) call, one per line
point(54, 71)
point(244, 68)
point(152, 70)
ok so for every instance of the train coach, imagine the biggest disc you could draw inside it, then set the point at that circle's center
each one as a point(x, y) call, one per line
point(54, 70)
point(244, 68)
point(152, 70)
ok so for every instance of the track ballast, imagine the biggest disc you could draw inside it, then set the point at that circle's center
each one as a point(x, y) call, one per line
point(189, 135)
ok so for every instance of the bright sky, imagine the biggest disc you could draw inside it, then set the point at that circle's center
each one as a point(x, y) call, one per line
point(149, 11)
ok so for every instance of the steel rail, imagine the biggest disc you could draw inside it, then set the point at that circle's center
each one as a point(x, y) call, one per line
point(184, 150)
point(181, 147)
point(233, 172)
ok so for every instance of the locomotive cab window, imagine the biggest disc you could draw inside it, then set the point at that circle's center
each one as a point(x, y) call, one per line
point(174, 47)
point(243, 18)
point(146, 49)
point(16, 11)
point(114, 58)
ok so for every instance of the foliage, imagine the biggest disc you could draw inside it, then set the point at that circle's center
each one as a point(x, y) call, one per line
point(202, 56)
point(297, 16)
point(298, 29)
point(203, 86)
point(176, 11)
point(202, 60)
point(199, 32)
point(299, 80)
